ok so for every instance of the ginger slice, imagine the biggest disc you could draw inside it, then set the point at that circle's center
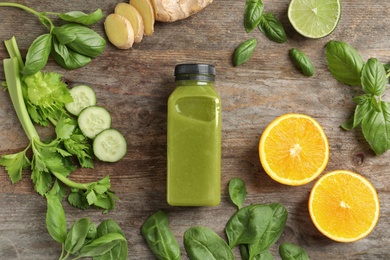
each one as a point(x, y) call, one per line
point(173, 10)
point(119, 31)
point(146, 10)
point(130, 13)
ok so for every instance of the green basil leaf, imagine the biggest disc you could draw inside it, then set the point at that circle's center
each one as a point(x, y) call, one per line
point(290, 251)
point(376, 128)
point(63, 35)
point(119, 251)
point(248, 224)
point(362, 108)
point(344, 62)
point(272, 28)
point(66, 58)
point(373, 77)
point(55, 219)
point(244, 51)
point(37, 54)
point(159, 236)
point(273, 231)
point(77, 235)
point(87, 42)
point(252, 15)
point(237, 191)
point(81, 17)
point(101, 245)
point(202, 243)
point(302, 62)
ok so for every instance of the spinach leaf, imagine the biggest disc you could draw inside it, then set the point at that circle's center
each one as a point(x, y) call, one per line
point(77, 235)
point(302, 62)
point(244, 51)
point(373, 77)
point(248, 224)
point(237, 192)
point(252, 15)
point(272, 28)
point(290, 251)
point(55, 219)
point(67, 58)
point(273, 231)
point(118, 251)
point(244, 252)
point(159, 237)
point(344, 62)
point(102, 245)
point(87, 42)
point(202, 243)
point(37, 54)
point(81, 17)
point(376, 128)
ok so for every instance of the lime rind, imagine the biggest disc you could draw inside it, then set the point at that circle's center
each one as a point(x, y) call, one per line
point(314, 18)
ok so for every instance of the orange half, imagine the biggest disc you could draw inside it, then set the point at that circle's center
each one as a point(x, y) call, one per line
point(344, 206)
point(294, 149)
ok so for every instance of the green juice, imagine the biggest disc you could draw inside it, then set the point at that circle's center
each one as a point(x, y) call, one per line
point(194, 140)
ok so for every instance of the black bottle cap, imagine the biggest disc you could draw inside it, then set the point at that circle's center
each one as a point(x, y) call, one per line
point(195, 71)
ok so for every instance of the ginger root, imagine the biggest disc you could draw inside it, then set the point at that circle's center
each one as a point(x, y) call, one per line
point(130, 13)
point(173, 10)
point(130, 22)
point(119, 31)
point(146, 10)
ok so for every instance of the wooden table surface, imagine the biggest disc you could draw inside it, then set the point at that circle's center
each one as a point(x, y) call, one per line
point(134, 86)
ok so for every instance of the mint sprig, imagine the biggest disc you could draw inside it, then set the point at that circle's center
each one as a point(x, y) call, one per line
point(372, 114)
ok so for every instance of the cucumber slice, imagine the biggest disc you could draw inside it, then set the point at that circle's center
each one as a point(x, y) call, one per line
point(109, 145)
point(83, 96)
point(94, 119)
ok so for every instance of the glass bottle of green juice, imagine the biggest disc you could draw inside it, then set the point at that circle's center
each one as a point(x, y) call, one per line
point(194, 138)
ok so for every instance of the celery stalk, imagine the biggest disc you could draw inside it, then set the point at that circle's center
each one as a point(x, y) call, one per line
point(12, 76)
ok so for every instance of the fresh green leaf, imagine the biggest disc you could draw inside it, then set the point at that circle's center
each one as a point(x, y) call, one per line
point(302, 62)
point(65, 128)
point(47, 94)
point(248, 223)
point(101, 245)
point(237, 192)
point(202, 243)
point(87, 42)
point(244, 51)
point(344, 62)
point(37, 54)
point(362, 108)
point(55, 219)
point(159, 236)
point(77, 199)
point(76, 236)
point(42, 181)
point(272, 232)
point(376, 128)
point(67, 58)
point(252, 15)
point(14, 164)
point(81, 17)
point(373, 77)
point(62, 35)
point(289, 251)
point(58, 190)
point(272, 28)
point(119, 251)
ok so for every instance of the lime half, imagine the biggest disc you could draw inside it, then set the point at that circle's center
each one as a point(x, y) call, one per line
point(314, 18)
